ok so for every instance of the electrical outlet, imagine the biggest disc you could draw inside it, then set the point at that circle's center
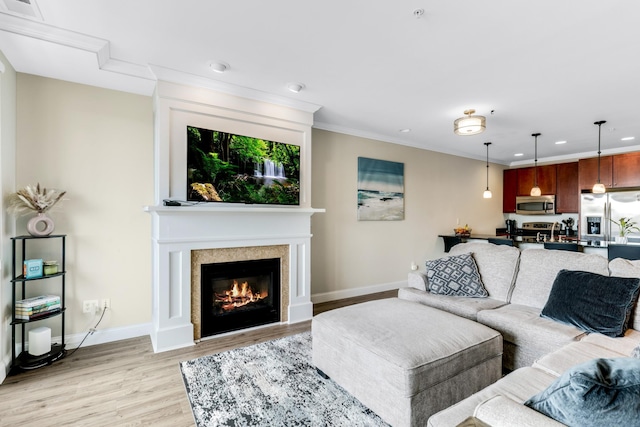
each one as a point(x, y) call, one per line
point(90, 306)
point(105, 303)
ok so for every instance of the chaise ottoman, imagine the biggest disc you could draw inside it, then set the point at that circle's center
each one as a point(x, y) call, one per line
point(403, 360)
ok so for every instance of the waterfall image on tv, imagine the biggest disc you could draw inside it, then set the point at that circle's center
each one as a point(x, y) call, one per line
point(224, 167)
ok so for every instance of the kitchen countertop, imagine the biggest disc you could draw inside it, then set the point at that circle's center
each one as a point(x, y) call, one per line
point(452, 239)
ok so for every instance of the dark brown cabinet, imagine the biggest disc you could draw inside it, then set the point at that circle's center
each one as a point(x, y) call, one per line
point(567, 180)
point(588, 172)
point(546, 180)
point(626, 170)
point(567, 188)
point(509, 190)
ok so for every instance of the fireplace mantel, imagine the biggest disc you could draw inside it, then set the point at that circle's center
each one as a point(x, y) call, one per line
point(179, 230)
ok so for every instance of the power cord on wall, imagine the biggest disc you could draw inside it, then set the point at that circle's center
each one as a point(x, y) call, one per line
point(91, 331)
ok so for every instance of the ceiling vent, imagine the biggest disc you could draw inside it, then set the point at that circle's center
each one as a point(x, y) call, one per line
point(27, 8)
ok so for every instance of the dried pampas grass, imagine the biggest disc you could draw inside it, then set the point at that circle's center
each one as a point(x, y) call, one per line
point(33, 199)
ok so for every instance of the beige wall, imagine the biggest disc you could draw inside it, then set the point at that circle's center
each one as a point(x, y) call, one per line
point(96, 144)
point(348, 254)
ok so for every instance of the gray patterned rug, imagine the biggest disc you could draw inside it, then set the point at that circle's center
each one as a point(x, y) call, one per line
point(269, 384)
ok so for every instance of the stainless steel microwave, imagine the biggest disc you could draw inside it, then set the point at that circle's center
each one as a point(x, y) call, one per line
point(536, 205)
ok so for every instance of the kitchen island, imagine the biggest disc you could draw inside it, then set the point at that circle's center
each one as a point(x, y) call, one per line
point(606, 249)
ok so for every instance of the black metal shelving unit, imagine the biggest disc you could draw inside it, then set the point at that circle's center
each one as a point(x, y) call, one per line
point(25, 361)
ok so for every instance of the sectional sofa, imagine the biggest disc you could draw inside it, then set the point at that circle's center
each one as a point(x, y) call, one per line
point(538, 350)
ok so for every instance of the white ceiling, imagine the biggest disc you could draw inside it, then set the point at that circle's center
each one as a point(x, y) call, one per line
point(372, 67)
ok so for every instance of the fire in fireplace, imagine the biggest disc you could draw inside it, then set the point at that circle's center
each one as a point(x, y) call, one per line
point(239, 294)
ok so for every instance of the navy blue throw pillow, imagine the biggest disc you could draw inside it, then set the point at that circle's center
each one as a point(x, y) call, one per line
point(601, 392)
point(592, 302)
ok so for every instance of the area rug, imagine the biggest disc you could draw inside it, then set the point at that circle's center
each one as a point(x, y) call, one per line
point(269, 384)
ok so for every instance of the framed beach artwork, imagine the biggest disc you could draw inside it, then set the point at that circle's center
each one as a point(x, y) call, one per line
point(380, 190)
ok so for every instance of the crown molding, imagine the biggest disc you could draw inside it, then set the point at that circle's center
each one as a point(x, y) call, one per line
point(179, 77)
point(100, 47)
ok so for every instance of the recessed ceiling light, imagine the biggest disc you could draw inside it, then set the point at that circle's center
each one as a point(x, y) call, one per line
point(295, 87)
point(518, 155)
point(218, 66)
point(560, 142)
point(407, 130)
point(628, 138)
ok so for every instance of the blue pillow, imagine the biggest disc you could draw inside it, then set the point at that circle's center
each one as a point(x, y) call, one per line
point(592, 302)
point(601, 392)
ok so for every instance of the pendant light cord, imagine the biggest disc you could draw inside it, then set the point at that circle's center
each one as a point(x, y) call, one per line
point(535, 161)
point(600, 123)
point(487, 144)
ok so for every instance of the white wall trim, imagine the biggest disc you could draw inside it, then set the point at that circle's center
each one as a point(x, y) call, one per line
point(103, 336)
point(357, 292)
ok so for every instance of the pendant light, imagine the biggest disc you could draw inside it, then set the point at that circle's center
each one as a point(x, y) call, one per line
point(535, 191)
point(470, 124)
point(487, 193)
point(598, 187)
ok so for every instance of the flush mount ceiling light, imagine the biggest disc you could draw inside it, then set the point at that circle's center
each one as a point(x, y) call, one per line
point(295, 87)
point(470, 124)
point(598, 187)
point(535, 191)
point(487, 193)
point(218, 66)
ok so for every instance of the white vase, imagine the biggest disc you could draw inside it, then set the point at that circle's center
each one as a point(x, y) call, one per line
point(622, 240)
point(40, 225)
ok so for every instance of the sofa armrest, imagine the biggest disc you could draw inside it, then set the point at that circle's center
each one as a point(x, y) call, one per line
point(417, 280)
point(500, 411)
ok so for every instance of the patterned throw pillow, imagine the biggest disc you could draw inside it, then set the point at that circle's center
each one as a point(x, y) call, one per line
point(455, 275)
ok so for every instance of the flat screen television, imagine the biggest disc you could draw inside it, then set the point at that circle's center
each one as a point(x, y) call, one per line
point(230, 168)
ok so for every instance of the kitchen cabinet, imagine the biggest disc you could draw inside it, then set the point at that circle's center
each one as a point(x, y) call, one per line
point(626, 170)
point(567, 188)
point(546, 180)
point(588, 172)
point(509, 190)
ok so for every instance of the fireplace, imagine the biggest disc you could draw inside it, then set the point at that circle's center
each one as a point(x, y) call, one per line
point(238, 295)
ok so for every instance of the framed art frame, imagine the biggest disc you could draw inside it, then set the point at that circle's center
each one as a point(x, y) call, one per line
point(380, 190)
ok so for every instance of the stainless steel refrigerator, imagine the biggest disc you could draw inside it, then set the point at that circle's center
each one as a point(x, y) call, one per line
point(597, 211)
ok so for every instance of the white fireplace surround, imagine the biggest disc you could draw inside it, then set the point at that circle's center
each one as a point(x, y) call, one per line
point(178, 230)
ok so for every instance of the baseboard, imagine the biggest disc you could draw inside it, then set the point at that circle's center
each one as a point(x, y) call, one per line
point(102, 336)
point(356, 292)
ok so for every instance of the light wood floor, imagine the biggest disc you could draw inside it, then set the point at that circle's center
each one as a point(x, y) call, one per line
point(124, 383)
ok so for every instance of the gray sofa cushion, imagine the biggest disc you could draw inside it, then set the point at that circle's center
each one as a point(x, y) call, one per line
point(500, 411)
point(497, 265)
point(518, 386)
point(455, 275)
point(559, 361)
point(627, 268)
point(461, 306)
point(532, 335)
point(622, 345)
point(539, 268)
point(592, 302)
point(601, 392)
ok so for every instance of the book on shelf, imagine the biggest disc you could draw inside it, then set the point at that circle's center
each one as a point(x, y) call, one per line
point(37, 310)
point(37, 307)
point(32, 316)
point(39, 300)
